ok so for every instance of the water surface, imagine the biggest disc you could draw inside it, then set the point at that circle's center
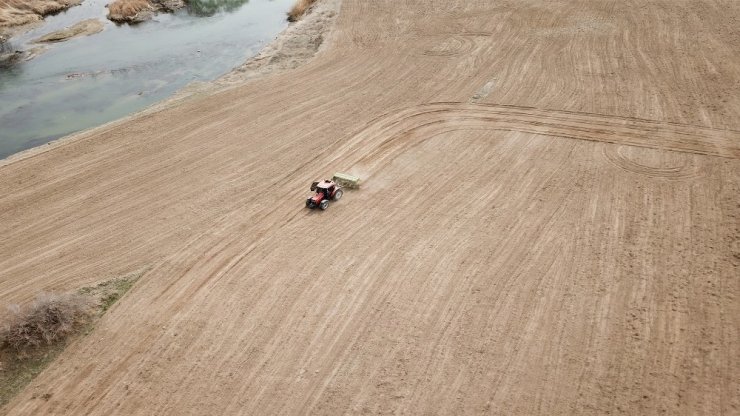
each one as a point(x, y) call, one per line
point(88, 81)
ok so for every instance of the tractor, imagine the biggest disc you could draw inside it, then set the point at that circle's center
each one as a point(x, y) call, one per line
point(325, 190)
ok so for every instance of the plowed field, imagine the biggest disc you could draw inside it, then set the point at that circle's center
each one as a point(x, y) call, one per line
point(549, 223)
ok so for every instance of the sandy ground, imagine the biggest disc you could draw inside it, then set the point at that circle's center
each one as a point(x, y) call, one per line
point(550, 223)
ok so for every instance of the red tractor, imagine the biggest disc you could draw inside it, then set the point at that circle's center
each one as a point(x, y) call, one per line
point(325, 190)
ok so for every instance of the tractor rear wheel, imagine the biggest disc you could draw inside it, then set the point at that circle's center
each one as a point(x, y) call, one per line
point(324, 204)
point(338, 194)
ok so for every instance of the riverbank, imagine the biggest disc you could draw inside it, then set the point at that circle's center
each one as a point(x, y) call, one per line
point(123, 69)
point(294, 46)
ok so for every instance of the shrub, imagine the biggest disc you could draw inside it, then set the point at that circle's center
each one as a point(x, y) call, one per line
point(299, 9)
point(48, 319)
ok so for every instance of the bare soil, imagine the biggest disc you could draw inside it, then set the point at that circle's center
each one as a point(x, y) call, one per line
point(549, 223)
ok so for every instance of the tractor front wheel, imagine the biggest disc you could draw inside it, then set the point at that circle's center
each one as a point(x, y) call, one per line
point(308, 203)
point(338, 194)
point(324, 204)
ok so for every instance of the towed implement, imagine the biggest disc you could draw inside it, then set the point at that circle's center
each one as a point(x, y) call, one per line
point(346, 181)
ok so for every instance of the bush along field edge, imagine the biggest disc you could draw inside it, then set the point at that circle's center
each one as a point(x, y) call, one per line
point(33, 335)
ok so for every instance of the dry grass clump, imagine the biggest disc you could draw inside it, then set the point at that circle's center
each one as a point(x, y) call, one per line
point(126, 9)
point(49, 319)
point(299, 9)
point(19, 12)
point(41, 7)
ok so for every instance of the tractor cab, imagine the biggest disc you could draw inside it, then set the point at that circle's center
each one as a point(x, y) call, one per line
point(326, 187)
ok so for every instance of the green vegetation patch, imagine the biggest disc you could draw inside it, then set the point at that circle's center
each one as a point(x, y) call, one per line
point(107, 293)
point(32, 336)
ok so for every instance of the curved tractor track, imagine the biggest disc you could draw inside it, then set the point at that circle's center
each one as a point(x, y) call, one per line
point(395, 131)
point(548, 223)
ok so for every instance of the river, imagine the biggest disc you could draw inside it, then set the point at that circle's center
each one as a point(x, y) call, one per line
point(85, 82)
